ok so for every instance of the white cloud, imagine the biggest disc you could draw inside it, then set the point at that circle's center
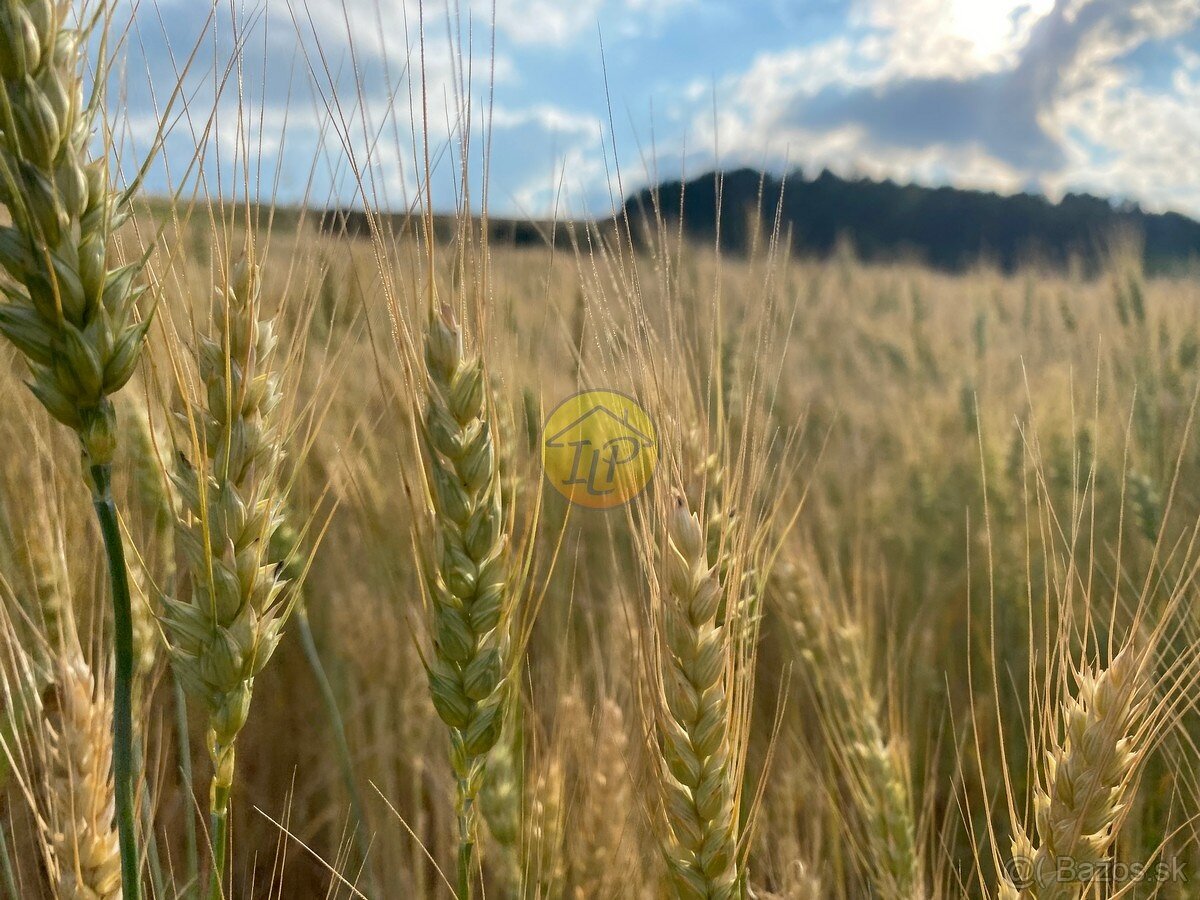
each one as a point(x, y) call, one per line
point(929, 38)
point(550, 118)
point(543, 21)
point(1133, 141)
point(987, 93)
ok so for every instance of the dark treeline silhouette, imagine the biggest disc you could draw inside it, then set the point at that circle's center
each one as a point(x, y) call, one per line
point(944, 227)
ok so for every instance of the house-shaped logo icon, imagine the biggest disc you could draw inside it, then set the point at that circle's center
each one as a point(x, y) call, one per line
point(599, 448)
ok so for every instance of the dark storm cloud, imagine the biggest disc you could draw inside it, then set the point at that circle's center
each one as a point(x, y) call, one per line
point(989, 110)
point(1004, 113)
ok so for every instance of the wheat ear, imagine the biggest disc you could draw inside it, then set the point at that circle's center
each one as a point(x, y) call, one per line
point(466, 582)
point(59, 715)
point(834, 652)
point(85, 861)
point(74, 319)
point(694, 727)
point(224, 634)
point(1089, 778)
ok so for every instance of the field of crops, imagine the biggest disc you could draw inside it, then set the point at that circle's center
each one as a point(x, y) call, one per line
point(896, 601)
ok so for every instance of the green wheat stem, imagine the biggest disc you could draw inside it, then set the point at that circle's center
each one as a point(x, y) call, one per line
point(222, 787)
point(466, 839)
point(220, 833)
point(123, 759)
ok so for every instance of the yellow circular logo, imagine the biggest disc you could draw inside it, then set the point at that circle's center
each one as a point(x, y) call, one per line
point(599, 448)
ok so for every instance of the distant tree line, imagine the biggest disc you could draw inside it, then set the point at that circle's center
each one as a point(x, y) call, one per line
point(945, 227)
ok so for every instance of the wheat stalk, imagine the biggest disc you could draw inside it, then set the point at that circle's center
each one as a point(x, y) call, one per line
point(232, 504)
point(1089, 779)
point(696, 766)
point(467, 579)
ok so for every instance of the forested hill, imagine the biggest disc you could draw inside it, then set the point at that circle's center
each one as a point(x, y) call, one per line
point(944, 227)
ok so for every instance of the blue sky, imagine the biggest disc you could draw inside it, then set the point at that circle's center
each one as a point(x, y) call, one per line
point(1047, 95)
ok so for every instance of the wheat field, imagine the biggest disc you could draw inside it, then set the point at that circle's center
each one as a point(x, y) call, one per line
point(906, 609)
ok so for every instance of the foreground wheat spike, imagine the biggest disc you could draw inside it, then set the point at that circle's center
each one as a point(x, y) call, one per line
point(55, 732)
point(1089, 779)
point(74, 319)
point(694, 727)
point(79, 837)
point(466, 582)
point(837, 662)
point(222, 636)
